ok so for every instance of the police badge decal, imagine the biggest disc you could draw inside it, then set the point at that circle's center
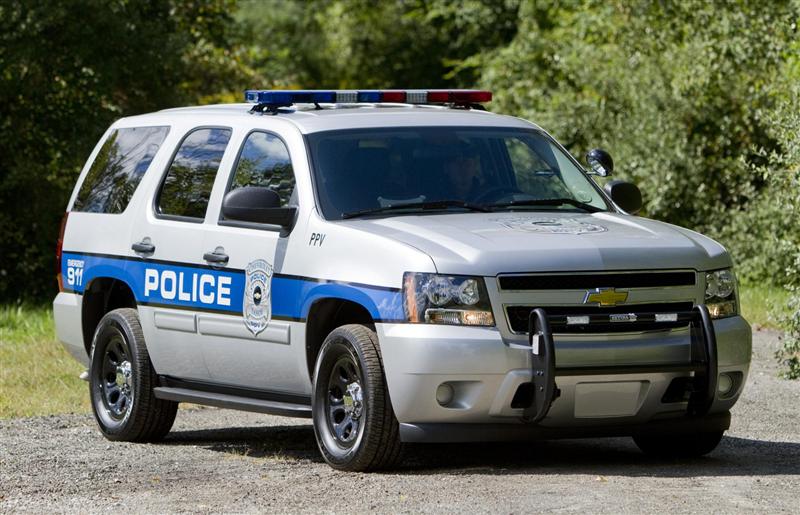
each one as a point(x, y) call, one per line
point(257, 305)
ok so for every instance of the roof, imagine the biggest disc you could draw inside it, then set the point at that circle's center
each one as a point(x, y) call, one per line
point(308, 119)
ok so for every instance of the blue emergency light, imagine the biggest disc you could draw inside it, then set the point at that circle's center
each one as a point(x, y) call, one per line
point(281, 98)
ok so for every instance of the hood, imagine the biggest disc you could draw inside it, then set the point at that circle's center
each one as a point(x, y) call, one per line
point(491, 243)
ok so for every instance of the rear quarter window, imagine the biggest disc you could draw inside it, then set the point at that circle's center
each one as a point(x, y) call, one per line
point(118, 168)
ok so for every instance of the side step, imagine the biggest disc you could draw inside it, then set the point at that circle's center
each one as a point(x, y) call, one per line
point(222, 400)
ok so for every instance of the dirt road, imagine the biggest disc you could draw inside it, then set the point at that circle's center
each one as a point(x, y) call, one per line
point(219, 460)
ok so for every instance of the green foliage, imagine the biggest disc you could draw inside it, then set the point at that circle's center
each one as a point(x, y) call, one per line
point(37, 376)
point(782, 170)
point(762, 305)
point(367, 44)
point(68, 68)
point(676, 91)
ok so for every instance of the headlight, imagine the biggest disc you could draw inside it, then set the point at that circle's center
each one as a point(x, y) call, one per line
point(721, 293)
point(446, 299)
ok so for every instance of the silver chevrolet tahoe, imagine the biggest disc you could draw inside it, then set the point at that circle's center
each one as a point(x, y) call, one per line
point(399, 266)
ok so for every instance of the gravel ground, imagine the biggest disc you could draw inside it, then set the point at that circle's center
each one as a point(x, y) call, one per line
point(219, 460)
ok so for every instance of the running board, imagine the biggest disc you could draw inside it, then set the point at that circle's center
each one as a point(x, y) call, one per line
point(222, 400)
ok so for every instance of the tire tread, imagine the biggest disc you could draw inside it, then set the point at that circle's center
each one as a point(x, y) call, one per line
point(152, 417)
point(381, 447)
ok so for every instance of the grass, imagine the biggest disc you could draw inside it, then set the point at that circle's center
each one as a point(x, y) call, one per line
point(38, 377)
point(762, 306)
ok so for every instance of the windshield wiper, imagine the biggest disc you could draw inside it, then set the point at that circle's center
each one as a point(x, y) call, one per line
point(423, 206)
point(547, 202)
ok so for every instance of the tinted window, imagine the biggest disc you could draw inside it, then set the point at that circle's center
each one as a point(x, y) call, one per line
point(190, 177)
point(264, 161)
point(497, 168)
point(119, 166)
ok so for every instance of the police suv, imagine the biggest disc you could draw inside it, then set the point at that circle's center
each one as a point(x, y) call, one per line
point(398, 266)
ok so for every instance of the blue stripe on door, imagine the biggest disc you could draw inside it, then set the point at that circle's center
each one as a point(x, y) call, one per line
point(204, 288)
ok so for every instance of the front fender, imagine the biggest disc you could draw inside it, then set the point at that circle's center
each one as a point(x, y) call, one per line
point(383, 304)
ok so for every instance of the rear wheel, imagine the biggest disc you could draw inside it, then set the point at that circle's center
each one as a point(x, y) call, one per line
point(122, 381)
point(354, 424)
point(679, 446)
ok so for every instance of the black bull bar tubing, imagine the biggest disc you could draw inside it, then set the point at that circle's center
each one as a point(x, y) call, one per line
point(544, 370)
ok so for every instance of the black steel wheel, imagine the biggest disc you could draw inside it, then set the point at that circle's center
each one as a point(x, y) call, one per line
point(345, 401)
point(354, 424)
point(114, 378)
point(679, 446)
point(121, 382)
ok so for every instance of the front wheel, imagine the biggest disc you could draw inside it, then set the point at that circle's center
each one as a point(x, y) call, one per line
point(679, 446)
point(354, 423)
point(122, 379)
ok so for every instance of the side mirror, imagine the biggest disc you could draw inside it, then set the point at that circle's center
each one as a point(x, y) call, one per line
point(258, 205)
point(626, 195)
point(600, 162)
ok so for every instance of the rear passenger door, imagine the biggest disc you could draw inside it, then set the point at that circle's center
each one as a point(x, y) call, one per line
point(253, 349)
point(175, 279)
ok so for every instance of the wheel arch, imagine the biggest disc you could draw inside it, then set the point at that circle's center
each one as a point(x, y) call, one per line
point(326, 314)
point(101, 295)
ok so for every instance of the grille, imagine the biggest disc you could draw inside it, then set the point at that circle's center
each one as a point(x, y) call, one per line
point(589, 281)
point(599, 321)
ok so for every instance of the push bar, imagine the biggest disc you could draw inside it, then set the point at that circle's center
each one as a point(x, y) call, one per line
point(543, 363)
point(704, 352)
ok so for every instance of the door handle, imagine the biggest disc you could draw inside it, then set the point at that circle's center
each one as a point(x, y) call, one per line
point(218, 257)
point(143, 247)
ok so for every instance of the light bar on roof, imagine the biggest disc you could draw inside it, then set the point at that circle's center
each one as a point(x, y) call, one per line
point(280, 98)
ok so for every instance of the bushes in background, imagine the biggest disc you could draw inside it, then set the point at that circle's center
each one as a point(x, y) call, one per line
point(68, 68)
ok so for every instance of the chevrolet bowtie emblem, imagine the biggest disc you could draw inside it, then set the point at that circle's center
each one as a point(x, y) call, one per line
point(605, 297)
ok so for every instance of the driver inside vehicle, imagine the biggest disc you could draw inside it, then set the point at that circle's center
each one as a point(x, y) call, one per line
point(464, 174)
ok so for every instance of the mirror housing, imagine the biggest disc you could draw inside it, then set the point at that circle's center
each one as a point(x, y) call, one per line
point(626, 195)
point(600, 162)
point(257, 204)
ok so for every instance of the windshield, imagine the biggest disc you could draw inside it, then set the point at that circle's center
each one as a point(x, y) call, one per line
point(410, 169)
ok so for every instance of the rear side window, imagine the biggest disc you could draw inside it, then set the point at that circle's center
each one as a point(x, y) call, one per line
point(118, 168)
point(264, 161)
point(187, 185)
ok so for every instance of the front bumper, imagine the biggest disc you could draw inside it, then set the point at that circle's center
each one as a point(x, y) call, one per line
point(451, 432)
point(484, 373)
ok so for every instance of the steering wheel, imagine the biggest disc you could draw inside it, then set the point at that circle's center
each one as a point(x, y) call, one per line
point(495, 193)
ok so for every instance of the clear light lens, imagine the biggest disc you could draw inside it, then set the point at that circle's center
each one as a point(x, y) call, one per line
point(578, 320)
point(444, 394)
point(721, 293)
point(468, 292)
point(446, 299)
point(720, 284)
point(722, 309)
point(724, 384)
point(458, 317)
point(439, 290)
point(666, 317)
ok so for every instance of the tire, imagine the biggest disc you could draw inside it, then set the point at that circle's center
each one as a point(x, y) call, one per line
point(121, 382)
point(679, 446)
point(354, 423)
